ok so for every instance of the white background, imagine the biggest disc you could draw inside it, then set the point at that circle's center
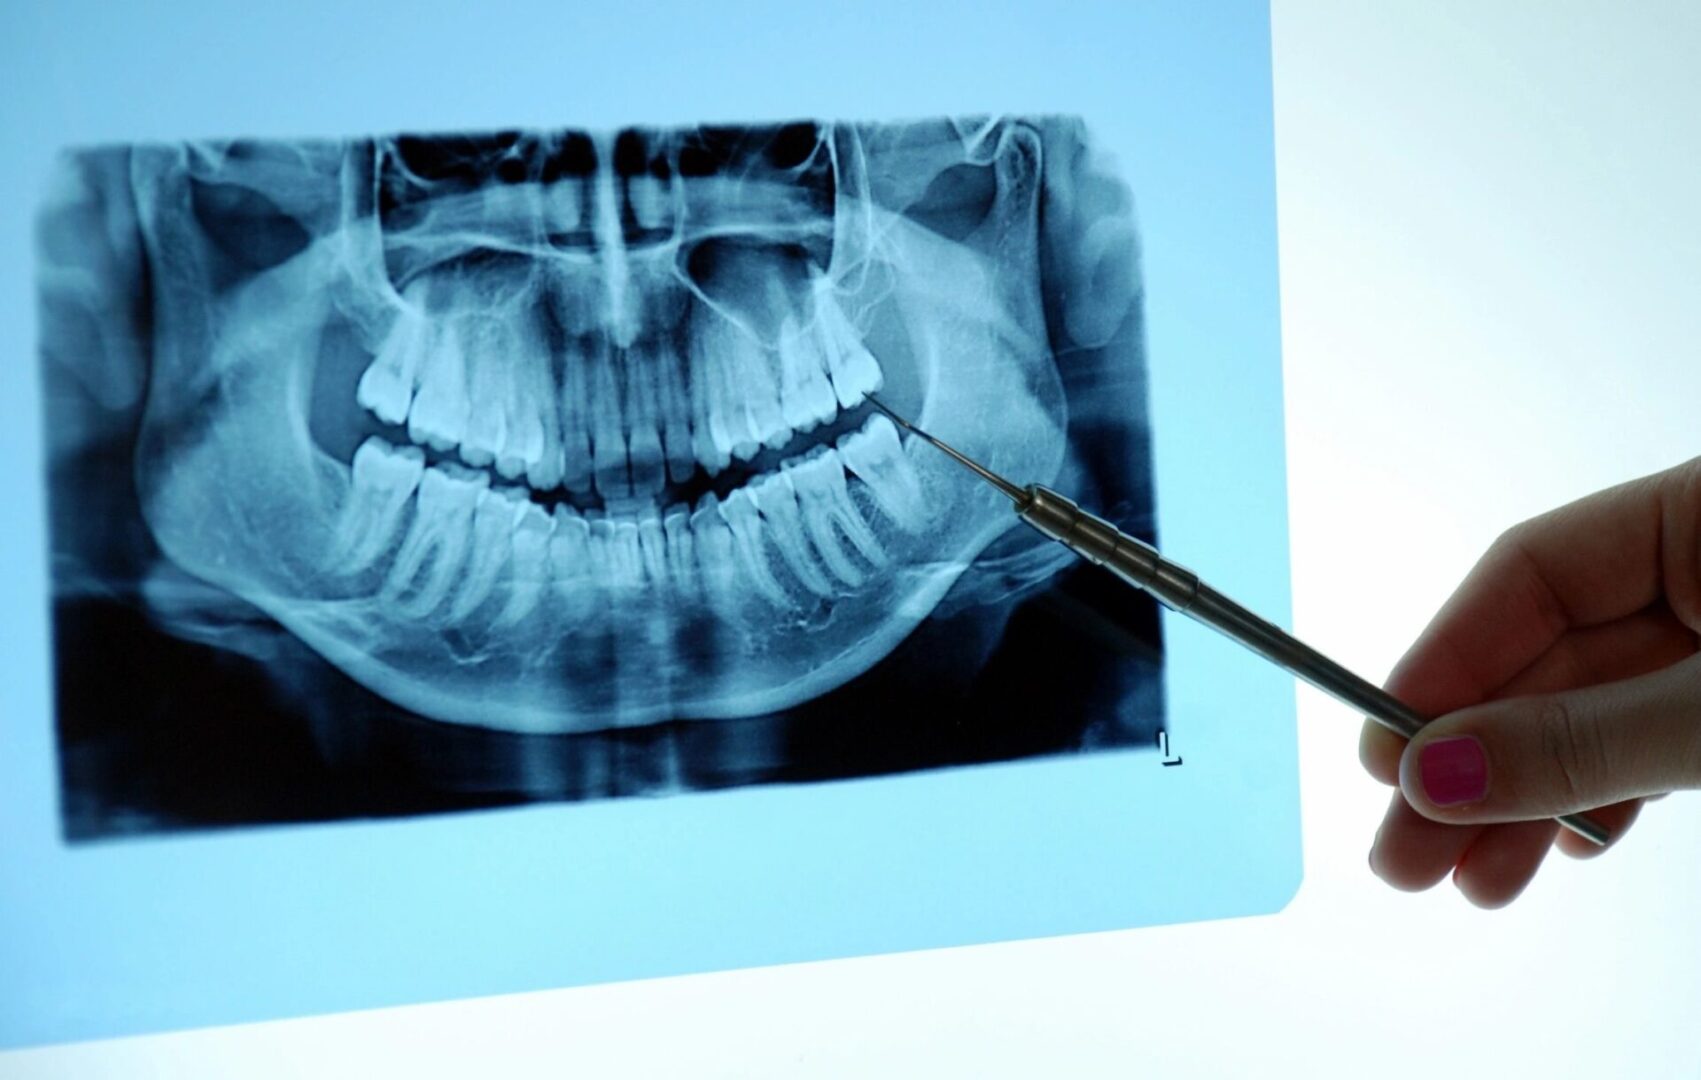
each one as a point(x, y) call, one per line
point(1491, 252)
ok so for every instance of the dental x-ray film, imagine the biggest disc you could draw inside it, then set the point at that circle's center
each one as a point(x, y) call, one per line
point(433, 472)
point(469, 559)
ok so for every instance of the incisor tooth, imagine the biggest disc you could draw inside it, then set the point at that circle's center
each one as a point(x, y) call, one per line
point(876, 456)
point(381, 480)
point(608, 442)
point(643, 440)
point(575, 419)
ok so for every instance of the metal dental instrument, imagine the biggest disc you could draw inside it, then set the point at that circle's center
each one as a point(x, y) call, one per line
point(1139, 564)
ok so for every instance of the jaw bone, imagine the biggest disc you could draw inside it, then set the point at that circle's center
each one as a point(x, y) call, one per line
point(886, 528)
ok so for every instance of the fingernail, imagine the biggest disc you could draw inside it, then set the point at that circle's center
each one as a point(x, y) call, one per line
point(1454, 771)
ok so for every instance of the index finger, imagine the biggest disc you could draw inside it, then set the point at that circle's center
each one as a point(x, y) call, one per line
point(1595, 560)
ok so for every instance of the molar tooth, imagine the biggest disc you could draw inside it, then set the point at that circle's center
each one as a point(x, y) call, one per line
point(675, 407)
point(439, 414)
point(437, 544)
point(381, 481)
point(740, 513)
point(488, 376)
point(575, 419)
point(776, 499)
point(386, 387)
point(529, 566)
point(806, 397)
point(570, 565)
point(819, 480)
point(643, 440)
point(876, 456)
point(681, 558)
point(852, 367)
point(492, 528)
point(608, 442)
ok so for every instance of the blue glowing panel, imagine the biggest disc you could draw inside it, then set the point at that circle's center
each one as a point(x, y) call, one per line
point(454, 551)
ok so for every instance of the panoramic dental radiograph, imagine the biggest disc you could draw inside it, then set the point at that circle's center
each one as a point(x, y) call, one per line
point(419, 473)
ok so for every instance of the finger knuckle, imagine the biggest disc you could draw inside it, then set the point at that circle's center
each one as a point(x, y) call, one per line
point(1573, 744)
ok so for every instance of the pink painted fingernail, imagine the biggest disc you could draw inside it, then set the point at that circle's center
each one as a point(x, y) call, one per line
point(1454, 771)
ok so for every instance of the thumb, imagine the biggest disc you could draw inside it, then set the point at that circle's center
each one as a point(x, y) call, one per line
point(1536, 757)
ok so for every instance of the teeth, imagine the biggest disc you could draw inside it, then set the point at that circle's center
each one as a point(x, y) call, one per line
point(528, 390)
point(806, 397)
point(575, 419)
point(493, 525)
point(488, 377)
point(851, 366)
point(777, 501)
point(740, 513)
point(543, 473)
point(675, 408)
point(436, 546)
point(681, 558)
point(652, 546)
point(711, 444)
point(648, 198)
point(716, 564)
point(828, 513)
point(382, 480)
point(386, 388)
point(438, 417)
point(875, 455)
point(625, 561)
point(529, 565)
point(643, 440)
point(570, 565)
point(608, 443)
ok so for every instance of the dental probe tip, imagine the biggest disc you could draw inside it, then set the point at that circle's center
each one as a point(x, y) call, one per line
point(1017, 495)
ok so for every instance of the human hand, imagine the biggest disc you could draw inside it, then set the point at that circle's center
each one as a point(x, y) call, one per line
point(1564, 676)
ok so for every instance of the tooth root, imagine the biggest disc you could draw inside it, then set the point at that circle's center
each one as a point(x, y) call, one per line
point(777, 501)
point(492, 530)
point(575, 420)
point(436, 546)
point(850, 365)
point(643, 439)
point(570, 566)
point(713, 452)
point(717, 559)
point(608, 443)
point(675, 408)
point(438, 417)
point(382, 479)
point(740, 513)
point(875, 455)
point(488, 376)
point(806, 397)
point(386, 387)
point(529, 565)
point(625, 562)
point(681, 554)
point(652, 547)
point(828, 513)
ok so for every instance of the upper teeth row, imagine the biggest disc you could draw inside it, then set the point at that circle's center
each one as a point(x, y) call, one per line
point(621, 420)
